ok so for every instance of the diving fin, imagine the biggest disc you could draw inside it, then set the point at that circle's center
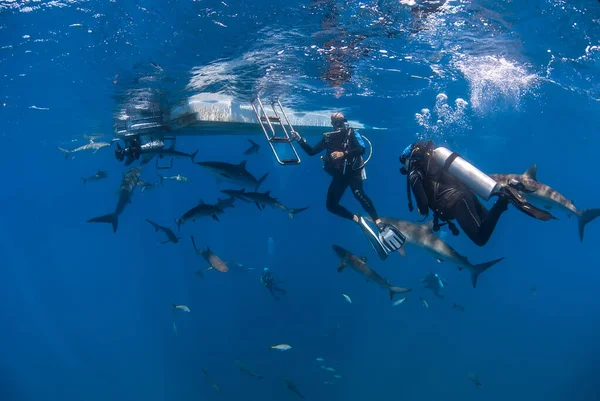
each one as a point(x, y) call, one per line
point(373, 239)
point(512, 195)
point(391, 238)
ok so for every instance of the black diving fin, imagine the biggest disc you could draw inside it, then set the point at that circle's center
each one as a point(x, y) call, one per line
point(388, 240)
point(511, 194)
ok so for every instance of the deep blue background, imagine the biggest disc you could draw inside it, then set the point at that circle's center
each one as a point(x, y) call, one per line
point(86, 314)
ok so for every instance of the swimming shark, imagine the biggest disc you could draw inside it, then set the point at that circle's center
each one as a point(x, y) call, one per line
point(293, 388)
point(262, 199)
point(236, 173)
point(171, 237)
point(547, 197)
point(100, 175)
point(91, 145)
point(360, 265)
point(422, 236)
point(213, 260)
point(128, 185)
point(200, 210)
point(253, 149)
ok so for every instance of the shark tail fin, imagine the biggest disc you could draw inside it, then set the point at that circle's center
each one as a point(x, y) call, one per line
point(262, 179)
point(398, 290)
point(193, 155)
point(65, 152)
point(585, 217)
point(293, 212)
point(84, 180)
point(111, 218)
point(480, 268)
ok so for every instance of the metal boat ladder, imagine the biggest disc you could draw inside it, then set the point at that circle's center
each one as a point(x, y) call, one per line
point(282, 144)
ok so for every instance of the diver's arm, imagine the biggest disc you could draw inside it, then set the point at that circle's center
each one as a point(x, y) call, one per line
point(415, 178)
point(312, 150)
point(357, 145)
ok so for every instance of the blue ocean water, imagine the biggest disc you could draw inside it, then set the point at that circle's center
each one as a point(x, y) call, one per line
point(87, 313)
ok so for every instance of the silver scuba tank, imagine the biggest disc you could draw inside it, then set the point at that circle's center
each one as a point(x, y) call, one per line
point(474, 179)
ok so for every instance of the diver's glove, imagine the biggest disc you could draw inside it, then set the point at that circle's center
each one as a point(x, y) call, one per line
point(296, 136)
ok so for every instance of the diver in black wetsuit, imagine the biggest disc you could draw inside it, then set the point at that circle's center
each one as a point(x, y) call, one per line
point(436, 189)
point(344, 163)
point(268, 281)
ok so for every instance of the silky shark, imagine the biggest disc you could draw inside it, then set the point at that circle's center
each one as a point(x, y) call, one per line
point(91, 145)
point(236, 173)
point(422, 236)
point(360, 266)
point(547, 197)
point(263, 199)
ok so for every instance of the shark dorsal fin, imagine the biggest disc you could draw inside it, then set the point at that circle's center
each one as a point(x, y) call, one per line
point(268, 193)
point(201, 202)
point(243, 164)
point(363, 258)
point(531, 172)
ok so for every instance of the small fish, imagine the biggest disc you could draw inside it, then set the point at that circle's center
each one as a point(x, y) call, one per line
point(347, 298)
point(253, 149)
point(323, 367)
point(424, 302)
point(320, 360)
point(210, 381)
point(146, 185)
point(100, 175)
point(281, 347)
point(458, 307)
point(175, 329)
point(178, 178)
point(398, 302)
point(337, 376)
point(329, 369)
point(182, 307)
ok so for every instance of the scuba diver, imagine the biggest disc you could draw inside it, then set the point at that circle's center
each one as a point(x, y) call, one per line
point(344, 162)
point(268, 281)
point(447, 184)
point(135, 150)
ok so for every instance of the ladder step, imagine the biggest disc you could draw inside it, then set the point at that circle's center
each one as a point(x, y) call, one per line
point(278, 139)
point(290, 161)
point(271, 118)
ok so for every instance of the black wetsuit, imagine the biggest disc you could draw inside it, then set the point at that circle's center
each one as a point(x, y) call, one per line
point(269, 281)
point(450, 199)
point(351, 143)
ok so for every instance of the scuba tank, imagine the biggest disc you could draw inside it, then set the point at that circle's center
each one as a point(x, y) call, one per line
point(473, 178)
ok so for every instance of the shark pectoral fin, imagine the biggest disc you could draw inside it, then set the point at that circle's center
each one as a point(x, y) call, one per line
point(402, 251)
point(209, 268)
point(165, 242)
point(341, 267)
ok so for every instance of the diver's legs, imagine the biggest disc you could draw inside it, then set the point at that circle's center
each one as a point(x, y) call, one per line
point(336, 190)
point(356, 185)
point(281, 290)
point(470, 217)
point(272, 292)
